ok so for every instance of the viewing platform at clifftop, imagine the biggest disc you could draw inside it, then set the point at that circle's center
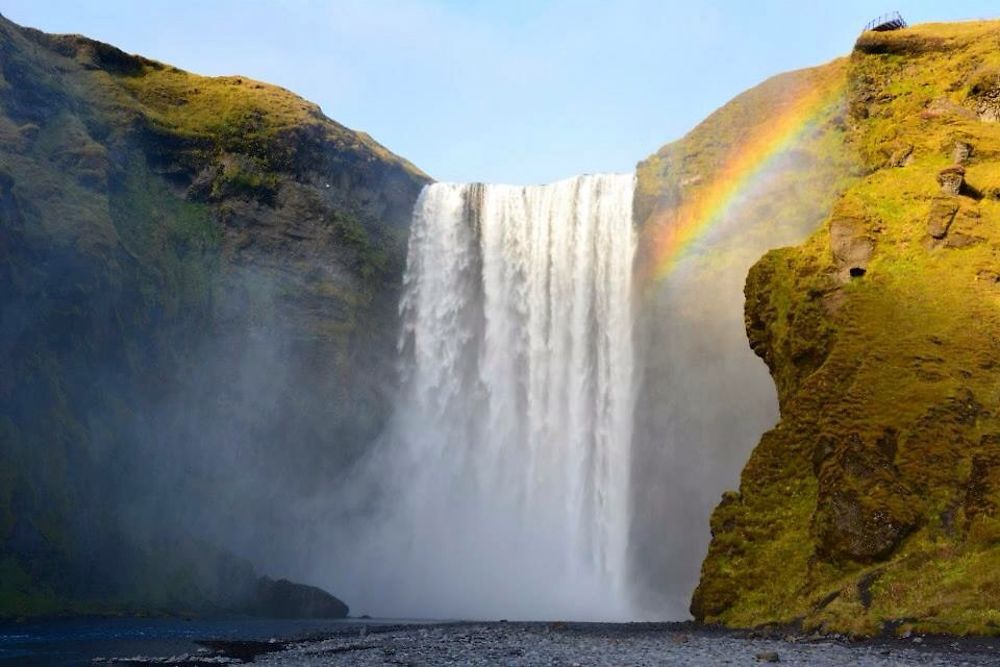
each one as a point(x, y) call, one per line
point(886, 22)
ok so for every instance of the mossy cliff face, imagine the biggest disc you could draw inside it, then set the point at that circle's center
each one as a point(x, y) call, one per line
point(199, 284)
point(873, 504)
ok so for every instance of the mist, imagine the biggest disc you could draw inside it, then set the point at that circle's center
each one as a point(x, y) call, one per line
point(485, 481)
point(705, 398)
point(514, 429)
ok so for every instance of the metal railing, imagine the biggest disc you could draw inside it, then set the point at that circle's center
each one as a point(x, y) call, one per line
point(886, 22)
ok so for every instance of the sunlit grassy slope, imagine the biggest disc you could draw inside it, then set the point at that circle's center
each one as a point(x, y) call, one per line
point(874, 504)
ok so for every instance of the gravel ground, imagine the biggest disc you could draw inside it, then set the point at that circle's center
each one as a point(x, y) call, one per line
point(523, 644)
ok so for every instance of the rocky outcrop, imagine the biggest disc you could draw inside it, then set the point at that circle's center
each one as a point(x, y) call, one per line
point(199, 315)
point(284, 599)
point(984, 92)
point(940, 218)
point(951, 180)
point(864, 508)
point(870, 506)
point(852, 245)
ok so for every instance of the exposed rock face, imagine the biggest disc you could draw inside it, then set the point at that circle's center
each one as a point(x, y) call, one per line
point(873, 501)
point(852, 245)
point(984, 92)
point(200, 280)
point(864, 509)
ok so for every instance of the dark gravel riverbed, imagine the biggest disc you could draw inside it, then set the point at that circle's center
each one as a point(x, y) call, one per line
point(523, 644)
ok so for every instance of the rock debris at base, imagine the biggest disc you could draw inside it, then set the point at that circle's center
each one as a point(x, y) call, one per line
point(524, 644)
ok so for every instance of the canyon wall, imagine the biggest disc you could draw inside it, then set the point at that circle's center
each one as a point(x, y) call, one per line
point(200, 280)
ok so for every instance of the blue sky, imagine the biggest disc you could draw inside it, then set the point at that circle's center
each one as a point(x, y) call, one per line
point(500, 91)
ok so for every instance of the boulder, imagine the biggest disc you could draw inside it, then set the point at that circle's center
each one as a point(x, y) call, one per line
point(286, 599)
point(951, 179)
point(941, 216)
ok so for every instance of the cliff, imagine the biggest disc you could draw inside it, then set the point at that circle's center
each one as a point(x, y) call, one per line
point(703, 400)
point(872, 505)
point(199, 286)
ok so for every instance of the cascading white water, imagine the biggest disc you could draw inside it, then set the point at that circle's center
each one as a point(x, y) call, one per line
point(511, 446)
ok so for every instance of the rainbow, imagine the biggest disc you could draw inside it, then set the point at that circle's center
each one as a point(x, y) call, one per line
point(672, 233)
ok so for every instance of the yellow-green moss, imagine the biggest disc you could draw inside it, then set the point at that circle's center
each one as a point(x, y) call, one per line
point(889, 415)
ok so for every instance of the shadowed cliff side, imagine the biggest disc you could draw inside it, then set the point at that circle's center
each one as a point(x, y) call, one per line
point(197, 323)
point(872, 505)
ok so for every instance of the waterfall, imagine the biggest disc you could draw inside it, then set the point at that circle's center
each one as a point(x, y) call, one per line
point(510, 451)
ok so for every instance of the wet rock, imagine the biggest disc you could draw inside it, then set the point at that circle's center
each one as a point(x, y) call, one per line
point(768, 656)
point(941, 216)
point(951, 179)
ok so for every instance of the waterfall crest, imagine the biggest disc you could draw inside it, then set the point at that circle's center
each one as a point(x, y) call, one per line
point(511, 443)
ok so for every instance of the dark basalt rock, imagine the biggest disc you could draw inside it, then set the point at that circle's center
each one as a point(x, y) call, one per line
point(285, 599)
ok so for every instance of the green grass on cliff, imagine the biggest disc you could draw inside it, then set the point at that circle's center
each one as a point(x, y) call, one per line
point(231, 112)
point(875, 503)
point(236, 113)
